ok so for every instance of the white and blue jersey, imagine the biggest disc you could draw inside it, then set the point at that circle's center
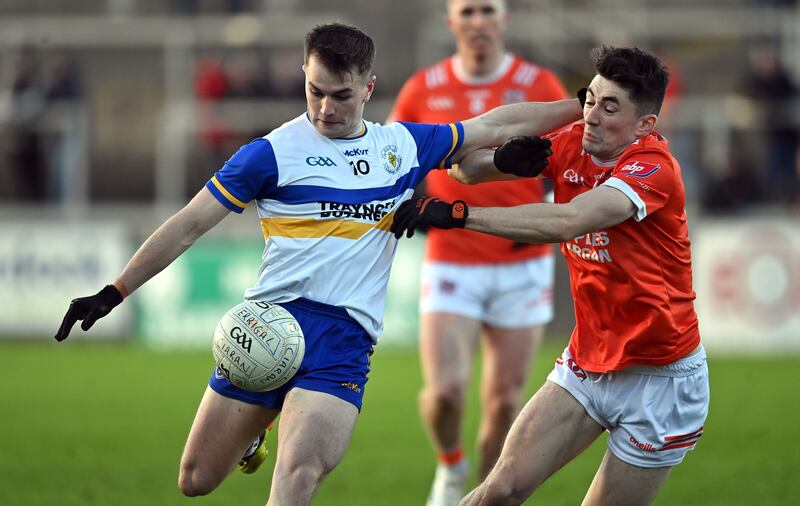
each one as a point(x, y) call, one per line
point(326, 205)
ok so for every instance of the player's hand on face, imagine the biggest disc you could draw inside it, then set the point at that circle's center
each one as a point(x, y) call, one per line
point(89, 309)
point(428, 211)
point(523, 156)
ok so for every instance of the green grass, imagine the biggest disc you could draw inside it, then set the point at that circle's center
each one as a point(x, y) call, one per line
point(104, 425)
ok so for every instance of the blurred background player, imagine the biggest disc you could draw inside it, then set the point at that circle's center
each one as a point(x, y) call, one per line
point(476, 286)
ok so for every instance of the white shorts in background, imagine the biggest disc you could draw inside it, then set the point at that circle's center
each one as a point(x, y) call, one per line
point(654, 415)
point(501, 295)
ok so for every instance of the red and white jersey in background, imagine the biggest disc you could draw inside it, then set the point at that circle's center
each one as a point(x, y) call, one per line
point(631, 283)
point(443, 94)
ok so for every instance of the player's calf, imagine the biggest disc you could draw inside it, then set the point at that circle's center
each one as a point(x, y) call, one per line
point(495, 424)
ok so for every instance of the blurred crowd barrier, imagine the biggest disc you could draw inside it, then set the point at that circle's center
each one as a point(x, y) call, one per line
point(113, 114)
point(161, 94)
point(746, 275)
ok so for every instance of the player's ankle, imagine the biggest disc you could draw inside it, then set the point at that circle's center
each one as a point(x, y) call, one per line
point(451, 457)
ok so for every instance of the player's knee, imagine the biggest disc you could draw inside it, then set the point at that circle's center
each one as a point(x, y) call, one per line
point(502, 408)
point(191, 486)
point(496, 492)
point(499, 489)
point(505, 484)
point(447, 395)
point(302, 474)
point(192, 482)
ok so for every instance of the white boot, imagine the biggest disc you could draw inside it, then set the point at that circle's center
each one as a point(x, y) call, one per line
point(448, 484)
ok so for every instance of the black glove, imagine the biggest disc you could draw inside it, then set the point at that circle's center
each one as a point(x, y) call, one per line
point(581, 97)
point(89, 309)
point(419, 191)
point(523, 156)
point(428, 211)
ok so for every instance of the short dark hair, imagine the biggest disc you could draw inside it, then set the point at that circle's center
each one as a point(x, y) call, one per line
point(641, 74)
point(341, 48)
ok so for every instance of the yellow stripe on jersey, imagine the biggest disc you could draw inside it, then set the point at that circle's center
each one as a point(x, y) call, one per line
point(358, 134)
point(452, 147)
point(385, 222)
point(227, 194)
point(315, 229)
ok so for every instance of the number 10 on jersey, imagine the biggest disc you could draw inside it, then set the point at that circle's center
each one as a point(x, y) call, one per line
point(360, 167)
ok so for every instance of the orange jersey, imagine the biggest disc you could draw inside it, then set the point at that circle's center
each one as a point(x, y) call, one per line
point(439, 94)
point(631, 283)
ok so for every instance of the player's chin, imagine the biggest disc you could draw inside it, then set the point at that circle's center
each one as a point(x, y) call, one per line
point(329, 129)
point(481, 43)
point(589, 146)
point(481, 37)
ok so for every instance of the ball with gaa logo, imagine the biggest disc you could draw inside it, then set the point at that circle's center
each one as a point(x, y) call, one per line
point(258, 346)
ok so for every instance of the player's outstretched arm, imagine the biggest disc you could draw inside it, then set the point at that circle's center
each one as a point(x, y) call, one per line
point(520, 156)
point(595, 210)
point(494, 127)
point(478, 167)
point(166, 244)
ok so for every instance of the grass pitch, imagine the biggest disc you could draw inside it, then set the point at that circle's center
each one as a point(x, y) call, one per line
point(104, 425)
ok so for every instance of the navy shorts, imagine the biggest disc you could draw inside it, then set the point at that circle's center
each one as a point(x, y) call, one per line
point(336, 359)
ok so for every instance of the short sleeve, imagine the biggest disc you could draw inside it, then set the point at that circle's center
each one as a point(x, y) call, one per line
point(647, 178)
point(251, 173)
point(436, 144)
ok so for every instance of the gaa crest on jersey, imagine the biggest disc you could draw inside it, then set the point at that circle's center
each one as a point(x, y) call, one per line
point(391, 160)
point(513, 96)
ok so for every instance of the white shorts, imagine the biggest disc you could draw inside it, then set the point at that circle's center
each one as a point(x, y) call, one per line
point(654, 415)
point(501, 295)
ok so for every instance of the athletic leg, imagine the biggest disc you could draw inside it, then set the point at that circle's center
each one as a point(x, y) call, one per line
point(551, 430)
point(507, 358)
point(447, 344)
point(313, 435)
point(660, 418)
point(517, 305)
point(222, 430)
point(618, 483)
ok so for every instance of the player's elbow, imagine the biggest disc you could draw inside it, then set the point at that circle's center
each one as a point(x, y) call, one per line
point(191, 229)
point(192, 234)
point(568, 223)
point(464, 177)
point(562, 234)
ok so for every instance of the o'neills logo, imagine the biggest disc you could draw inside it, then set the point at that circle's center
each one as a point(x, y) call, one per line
point(647, 447)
